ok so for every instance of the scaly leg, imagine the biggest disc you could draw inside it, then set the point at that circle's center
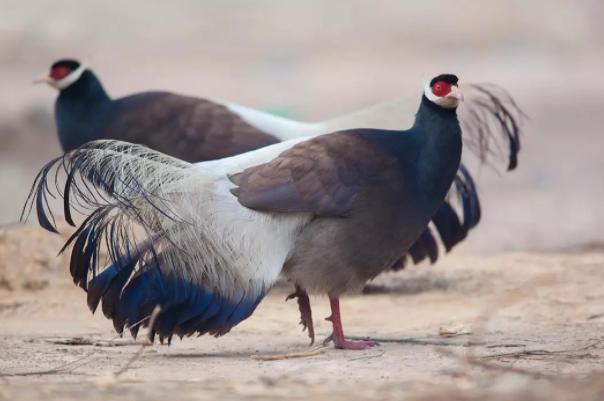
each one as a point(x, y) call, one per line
point(305, 312)
point(338, 332)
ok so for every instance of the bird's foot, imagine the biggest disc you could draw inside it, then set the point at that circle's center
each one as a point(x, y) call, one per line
point(342, 343)
point(305, 312)
point(337, 336)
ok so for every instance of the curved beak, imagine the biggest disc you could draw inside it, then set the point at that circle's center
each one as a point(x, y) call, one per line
point(455, 93)
point(42, 79)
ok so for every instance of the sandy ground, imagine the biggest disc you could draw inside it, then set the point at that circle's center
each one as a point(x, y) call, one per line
point(509, 303)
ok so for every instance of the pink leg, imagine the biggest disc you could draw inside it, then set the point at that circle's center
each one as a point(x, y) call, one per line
point(305, 312)
point(337, 336)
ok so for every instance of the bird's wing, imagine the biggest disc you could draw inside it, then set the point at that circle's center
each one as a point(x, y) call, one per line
point(174, 236)
point(184, 127)
point(322, 176)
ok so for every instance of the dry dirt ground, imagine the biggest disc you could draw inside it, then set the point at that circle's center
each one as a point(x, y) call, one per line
point(545, 311)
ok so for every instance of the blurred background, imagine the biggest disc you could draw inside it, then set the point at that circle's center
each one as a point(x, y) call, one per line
point(314, 60)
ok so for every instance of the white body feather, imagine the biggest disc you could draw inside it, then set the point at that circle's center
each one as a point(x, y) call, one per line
point(232, 249)
point(281, 128)
point(254, 245)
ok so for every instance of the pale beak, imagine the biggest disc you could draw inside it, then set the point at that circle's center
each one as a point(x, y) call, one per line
point(455, 93)
point(42, 80)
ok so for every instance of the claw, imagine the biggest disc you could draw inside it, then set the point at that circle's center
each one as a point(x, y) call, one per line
point(305, 312)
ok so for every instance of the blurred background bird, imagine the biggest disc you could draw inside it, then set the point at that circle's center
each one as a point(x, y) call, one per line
point(330, 212)
point(196, 129)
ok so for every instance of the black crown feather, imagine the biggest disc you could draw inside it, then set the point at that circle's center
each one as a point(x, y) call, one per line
point(447, 78)
point(69, 63)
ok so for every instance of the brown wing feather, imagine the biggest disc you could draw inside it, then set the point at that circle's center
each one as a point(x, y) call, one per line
point(188, 128)
point(323, 175)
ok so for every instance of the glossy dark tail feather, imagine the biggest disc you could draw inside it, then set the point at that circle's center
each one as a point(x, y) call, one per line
point(468, 194)
point(186, 308)
point(497, 112)
point(87, 185)
point(424, 247)
point(111, 281)
point(37, 196)
point(448, 225)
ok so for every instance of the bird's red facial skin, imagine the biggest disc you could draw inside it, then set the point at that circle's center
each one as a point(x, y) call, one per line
point(60, 72)
point(441, 89)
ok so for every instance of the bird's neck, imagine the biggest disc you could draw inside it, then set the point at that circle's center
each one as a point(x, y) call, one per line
point(80, 111)
point(430, 115)
point(429, 153)
point(439, 132)
point(87, 89)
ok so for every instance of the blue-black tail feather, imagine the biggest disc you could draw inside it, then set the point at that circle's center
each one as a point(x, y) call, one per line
point(496, 113)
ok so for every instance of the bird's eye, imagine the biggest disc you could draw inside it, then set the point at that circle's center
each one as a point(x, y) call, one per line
point(60, 72)
point(440, 88)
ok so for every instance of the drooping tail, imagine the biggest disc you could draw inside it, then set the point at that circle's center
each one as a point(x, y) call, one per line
point(151, 214)
point(492, 124)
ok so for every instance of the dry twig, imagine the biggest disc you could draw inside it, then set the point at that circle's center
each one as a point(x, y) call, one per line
point(76, 341)
point(417, 341)
point(378, 355)
point(312, 352)
point(496, 367)
point(140, 351)
point(542, 352)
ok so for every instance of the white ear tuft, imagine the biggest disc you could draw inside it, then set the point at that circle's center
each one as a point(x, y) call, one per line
point(70, 79)
point(444, 102)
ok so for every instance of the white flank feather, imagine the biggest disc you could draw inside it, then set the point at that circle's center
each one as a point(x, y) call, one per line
point(281, 128)
point(395, 114)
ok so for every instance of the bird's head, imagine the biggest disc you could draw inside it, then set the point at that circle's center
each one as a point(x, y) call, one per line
point(443, 90)
point(63, 74)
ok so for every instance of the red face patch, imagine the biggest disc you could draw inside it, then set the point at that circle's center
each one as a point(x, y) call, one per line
point(60, 72)
point(441, 89)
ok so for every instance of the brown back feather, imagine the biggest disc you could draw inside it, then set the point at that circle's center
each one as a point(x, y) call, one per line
point(188, 128)
point(323, 175)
